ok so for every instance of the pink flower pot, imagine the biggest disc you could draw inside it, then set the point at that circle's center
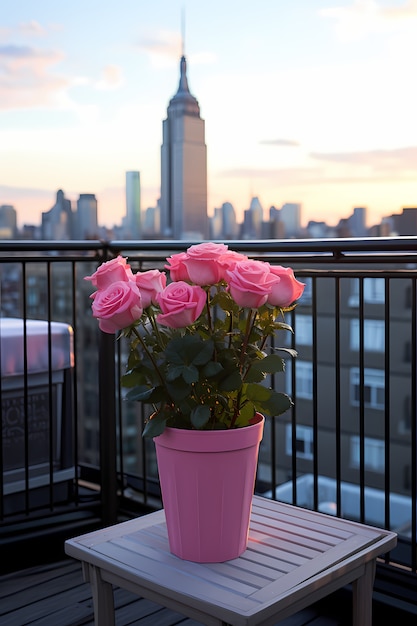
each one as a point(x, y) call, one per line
point(207, 481)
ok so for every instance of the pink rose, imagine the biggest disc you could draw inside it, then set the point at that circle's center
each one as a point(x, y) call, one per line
point(150, 283)
point(202, 263)
point(288, 290)
point(110, 272)
point(181, 304)
point(229, 259)
point(117, 306)
point(250, 283)
point(176, 267)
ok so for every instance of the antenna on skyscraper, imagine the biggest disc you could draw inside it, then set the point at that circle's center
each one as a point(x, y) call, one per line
point(182, 31)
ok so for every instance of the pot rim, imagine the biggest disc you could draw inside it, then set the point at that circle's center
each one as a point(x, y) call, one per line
point(212, 440)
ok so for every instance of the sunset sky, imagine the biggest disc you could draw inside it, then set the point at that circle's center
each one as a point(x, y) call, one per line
point(309, 101)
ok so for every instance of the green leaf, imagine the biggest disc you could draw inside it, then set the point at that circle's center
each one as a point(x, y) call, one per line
point(257, 393)
point(140, 393)
point(190, 349)
point(212, 368)
point(247, 411)
point(190, 374)
point(225, 301)
point(130, 379)
point(179, 389)
point(270, 364)
point(200, 416)
point(289, 351)
point(254, 376)
point(174, 372)
point(154, 426)
point(277, 404)
point(233, 382)
point(204, 349)
point(283, 326)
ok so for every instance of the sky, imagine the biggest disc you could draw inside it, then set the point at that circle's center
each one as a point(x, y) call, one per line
point(307, 101)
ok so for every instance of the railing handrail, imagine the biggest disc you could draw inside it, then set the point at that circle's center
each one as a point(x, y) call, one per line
point(328, 246)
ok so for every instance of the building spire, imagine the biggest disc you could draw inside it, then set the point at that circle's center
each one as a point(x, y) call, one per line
point(183, 86)
point(183, 101)
point(183, 32)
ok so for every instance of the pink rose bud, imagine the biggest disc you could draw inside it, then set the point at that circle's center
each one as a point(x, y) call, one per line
point(176, 267)
point(117, 306)
point(288, 290)
point(150, 283)
point(110, 272)
point(181, 304)
point(250, 283)
point(202, 263)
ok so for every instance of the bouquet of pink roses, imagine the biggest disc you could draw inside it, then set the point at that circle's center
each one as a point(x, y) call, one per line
point(198, 346)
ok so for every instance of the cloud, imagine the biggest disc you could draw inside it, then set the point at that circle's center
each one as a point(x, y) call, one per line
point(373, 166)
point(21, 193)
point(32, 28)
point(111, 78)
point(396, 160)
point(162, 47)
point(279, 142)
point(407, 10)
point(289, 175)
point(25, 78)
point(365, 17)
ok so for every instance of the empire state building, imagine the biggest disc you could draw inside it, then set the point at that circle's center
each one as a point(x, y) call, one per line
point(184, 167)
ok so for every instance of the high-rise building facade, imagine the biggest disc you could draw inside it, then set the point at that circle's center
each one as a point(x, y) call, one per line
point(57, 223)
point(133, 218)
point(184, 167)
point(290, 215)
point(86, 222)
point(8, 222)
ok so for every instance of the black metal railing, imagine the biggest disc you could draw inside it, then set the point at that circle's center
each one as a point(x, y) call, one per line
point(348, 446)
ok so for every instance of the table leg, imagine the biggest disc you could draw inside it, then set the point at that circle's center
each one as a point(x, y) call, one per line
point(102, 592)
point(362, 596)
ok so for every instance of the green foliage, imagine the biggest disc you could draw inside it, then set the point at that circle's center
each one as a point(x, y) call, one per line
point(211, 374)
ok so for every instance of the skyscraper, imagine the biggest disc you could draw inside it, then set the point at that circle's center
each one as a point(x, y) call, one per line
point(184, 166)
point(87, 227)
point(57, 222)
point(290, 215)
point(133, 220)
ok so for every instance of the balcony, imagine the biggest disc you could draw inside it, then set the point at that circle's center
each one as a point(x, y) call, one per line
point(71, 451)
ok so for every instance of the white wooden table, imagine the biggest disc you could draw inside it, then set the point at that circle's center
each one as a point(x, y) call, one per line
point(294, 558)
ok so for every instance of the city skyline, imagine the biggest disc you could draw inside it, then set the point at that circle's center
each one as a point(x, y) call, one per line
point(311, 102)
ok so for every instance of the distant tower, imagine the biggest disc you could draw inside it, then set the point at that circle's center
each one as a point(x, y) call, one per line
point(184, 167)
point(87, 226)
point(57, 222)
point(8, 222)
point(133, 218)
point(290, 215)
point(252, 220)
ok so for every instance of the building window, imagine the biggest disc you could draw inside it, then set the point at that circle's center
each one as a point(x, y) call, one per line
point(373, 335)
point(374, 454)
point(303, 329)
point(373, 291)
point(303, 442)
point(303, 378)
point(373, 387)
point(408, 353)
point(404, 424)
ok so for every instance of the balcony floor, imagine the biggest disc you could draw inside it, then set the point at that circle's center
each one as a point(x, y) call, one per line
point(56, 594)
